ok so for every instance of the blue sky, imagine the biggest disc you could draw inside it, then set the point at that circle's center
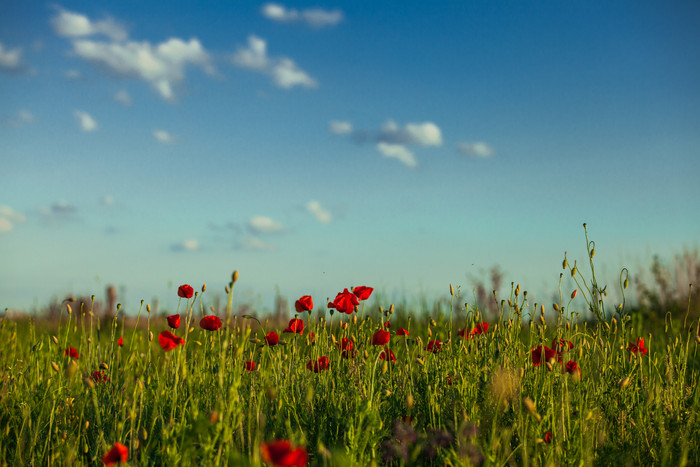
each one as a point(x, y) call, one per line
point(400, 145)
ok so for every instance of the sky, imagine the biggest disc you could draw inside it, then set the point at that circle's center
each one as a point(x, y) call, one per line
point(400, 145)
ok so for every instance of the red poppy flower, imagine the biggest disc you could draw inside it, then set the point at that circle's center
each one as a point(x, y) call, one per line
point(572, 367)
point(249, 365)
point(480, 328)
point(639, 348)
point(381, 337)
point(295, 326)
point(323, 363)
point(561, 345)
point(312, 337)
point(272, 338)
point(345, 302)
point(174, 321)
point(280, 453)
point(185, 291)
point(362, 292)
point(99, 377)
point(305, 303)
point(117, 455)
point(346, 347)
point(402, 332)
point(536, 354)
point(71, 352)
point(387, 324)
point(388, 354)
point(210, 323)
point(548, 437)
point(434, 346)
point(168, 341)
point(120, 342)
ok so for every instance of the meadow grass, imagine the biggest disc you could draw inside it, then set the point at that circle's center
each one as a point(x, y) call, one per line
point(535, 385)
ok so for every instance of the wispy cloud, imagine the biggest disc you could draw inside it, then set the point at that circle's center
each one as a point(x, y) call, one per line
point(263, 225)
point(161, 65)
point(85, 121)
point(315, 17)
point(59, 212)
point(20, 119)
point(189, 244)
point(163, 137)
point(9, 217)
point(11, 59)
point(392, 140)
point(253, 244)
point(70, 24)
point(320, 213)
point(399, 152)
point(284, 72)
point(477, 149)
point(124, 98)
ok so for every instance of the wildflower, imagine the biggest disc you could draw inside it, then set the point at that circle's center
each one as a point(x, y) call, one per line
point(120, 342)
point(388, 355)
point(362, 292)
point(387, 324)
point(99, 376)
point(185, 291)
point(434, 346)
point(346, 346)
point(117, 455)
point(305, 303)
point(72, 353)
point(573, 294)
point(295, 326)
point(312, 337)
point(323, 363)
point(210, 323)
point(281, 453)
point(548, 437)
point(381, 337)
point(272, 338)
point(537, 354)
point(345, 302)
point(639, 348)
point(174, 321)
point(402, 332)
point(168, 341)
point(480, 328)
point(561, 345)
point(249, 365)
point(573, 368)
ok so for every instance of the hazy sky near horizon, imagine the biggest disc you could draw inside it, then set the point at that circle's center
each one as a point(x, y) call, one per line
point(399, 145)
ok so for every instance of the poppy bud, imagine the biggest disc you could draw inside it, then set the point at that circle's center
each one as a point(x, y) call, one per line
point(234, 276)
point(564, 263)
point(385, 367)
point(204, 287)
point(366, 355)
point(104, 366)
point(452, 290)
point(150, 336)
point(542, 320)
point(420, 361)
point(432, 322)
point(549, 366)
point(148, 307)
point(517, 290)
point(335, 341)
point(555, 306)
point(573, 294)
point(510, 303)
point(542, 309)
point(573, 271)
point(626, 283)
point(354, 319)
point(69, 309)
point(430, 332)
point(227, 290)
point(54, 366)
point(54, 339)
point(391, 309)
point(86, 425)
point(607, 326)
point(592, 253)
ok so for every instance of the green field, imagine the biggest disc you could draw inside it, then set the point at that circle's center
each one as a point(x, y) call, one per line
point(587, 380)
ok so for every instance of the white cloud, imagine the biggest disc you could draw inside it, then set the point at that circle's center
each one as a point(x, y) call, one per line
point(477, 149)
point(85, 120)
point(321, 214)
point(162, 65)
point(253, 243)
point(69, 24)
point(398, 151)
point(284, 72)
point(9, 217)
point(315, 17)
point(11, 60)
point(190, 244)
point(340, 127)
point(163, 136)
point(123, 98)
point(421, 134)
point(262, 224)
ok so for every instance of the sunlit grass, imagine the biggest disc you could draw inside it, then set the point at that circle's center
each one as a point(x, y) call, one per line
point(534, 385)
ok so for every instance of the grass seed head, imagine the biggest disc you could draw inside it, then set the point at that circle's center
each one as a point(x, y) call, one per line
point(623, 382)
point(529, 405)
point(409, 401)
